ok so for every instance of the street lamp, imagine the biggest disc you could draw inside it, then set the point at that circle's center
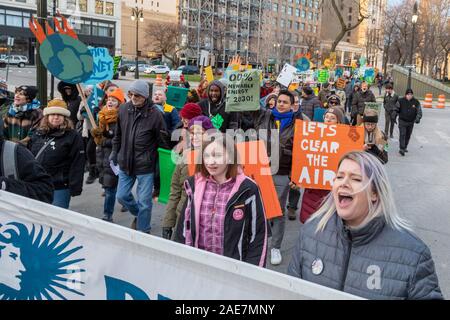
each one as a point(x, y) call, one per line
point(414, 19)
point(138, 15)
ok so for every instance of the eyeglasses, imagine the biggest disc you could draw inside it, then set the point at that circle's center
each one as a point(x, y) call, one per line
point(130, 95)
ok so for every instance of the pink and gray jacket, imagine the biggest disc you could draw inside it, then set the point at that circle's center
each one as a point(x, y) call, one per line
point(245, 227)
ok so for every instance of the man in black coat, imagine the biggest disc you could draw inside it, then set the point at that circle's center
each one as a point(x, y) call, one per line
point(409, 112)
point(140, 131)
point(27, 178)
point(390, 104)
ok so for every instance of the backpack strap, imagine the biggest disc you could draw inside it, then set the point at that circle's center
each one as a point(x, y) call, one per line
point(9, 160)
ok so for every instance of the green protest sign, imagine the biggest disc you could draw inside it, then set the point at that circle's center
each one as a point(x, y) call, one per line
point(243, 91)
point(373, 106)
point(166, 169)
point(176, 96)
point(323, 76)
point(117, 60)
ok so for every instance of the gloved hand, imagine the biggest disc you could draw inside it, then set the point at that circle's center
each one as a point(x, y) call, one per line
point(417, 121)
point(167, 233)
point(113, 157)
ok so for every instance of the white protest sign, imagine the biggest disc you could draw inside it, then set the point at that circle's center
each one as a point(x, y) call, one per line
point(287, 75)
point(204, 58)
point(60, 254)
point(175, 75)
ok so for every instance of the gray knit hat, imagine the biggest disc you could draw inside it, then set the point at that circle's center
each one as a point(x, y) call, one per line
point(140, 87)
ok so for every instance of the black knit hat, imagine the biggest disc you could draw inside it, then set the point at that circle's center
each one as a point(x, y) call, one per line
point(29, 91)
point(409, 91)
point(308, 91)
point(370, 119)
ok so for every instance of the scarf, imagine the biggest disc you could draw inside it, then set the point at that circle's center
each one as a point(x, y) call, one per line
point(13, 109)
point(106, 116)
point(284, 119)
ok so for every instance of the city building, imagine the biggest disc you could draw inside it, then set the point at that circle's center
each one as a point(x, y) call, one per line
point(295, 29)
point(97, 23)
point(365, 40)
point(159, 11)
point(224, 28)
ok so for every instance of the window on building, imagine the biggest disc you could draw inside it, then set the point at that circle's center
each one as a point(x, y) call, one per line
point(275, 7)
point(297, 12)
point(109, 9)
point(282, 23)
point(2, 17)
point(102, 29)
point(290, 10)
point(99, 6)
point(83, 4)
point(71, 5)
point(303, 14)
point(13, 18)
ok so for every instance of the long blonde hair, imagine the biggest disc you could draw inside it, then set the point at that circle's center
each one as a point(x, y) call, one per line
point(376, 180)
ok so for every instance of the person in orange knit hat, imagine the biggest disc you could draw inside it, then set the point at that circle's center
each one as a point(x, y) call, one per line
point(103, 135)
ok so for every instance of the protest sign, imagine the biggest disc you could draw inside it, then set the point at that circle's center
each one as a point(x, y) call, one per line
point(175, 75)
point(340, 84)
point(374, 106)
point(62, 54)
point(166, 169)
point(287, 75)
point(339, 72)
point(243, 91)
point(117, 60)
point(176, 96)
point(49, 253)
point(204, 58)
point(209, 74)
point(318, 148)
point(369, 75)
point(303, 64)
point(256, 165)
point(103, 66)
point(323, 76)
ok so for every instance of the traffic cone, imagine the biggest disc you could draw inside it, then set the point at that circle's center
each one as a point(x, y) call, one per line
point(159, 81)
point(441, 102)
point(428, 101)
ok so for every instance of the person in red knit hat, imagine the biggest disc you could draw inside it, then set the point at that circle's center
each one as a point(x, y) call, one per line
point(189, 112)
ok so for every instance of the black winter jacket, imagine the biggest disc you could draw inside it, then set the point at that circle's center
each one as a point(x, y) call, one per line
point(73, 101)
point(265, 120)
point(139, 133)
point(359, 101)
point(408, 111)
point(212, 110)
point(309, 104)
point(107, 178)
point(245, 226)
point(63, 158)
point(34, 182)
point(390, 103)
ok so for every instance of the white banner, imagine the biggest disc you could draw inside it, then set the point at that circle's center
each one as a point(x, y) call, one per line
point(287, 75)
point(50, 253)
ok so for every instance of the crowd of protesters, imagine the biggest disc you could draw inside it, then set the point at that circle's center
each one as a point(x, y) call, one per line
point(217, 207)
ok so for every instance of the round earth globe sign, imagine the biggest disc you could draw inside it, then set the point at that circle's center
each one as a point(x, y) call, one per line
point(303, 64)
point(66, 58)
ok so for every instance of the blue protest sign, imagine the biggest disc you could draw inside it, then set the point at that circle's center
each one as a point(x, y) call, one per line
point(103, 66)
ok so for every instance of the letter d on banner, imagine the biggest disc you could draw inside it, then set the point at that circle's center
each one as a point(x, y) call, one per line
point(118, 290)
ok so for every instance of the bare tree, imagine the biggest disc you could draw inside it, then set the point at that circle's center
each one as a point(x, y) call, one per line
point(362, 15)
point(166, 38)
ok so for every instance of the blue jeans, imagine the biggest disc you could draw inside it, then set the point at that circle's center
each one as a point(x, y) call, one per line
point(110, 201)
point(61, 198)
point(142, 209)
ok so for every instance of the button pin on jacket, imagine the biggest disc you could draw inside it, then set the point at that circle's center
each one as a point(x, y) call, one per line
point(317, 267)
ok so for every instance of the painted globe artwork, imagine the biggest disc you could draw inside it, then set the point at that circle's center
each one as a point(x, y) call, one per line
point(66, 58)
point(303, 64)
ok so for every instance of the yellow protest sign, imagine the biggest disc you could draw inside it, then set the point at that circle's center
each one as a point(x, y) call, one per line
point(209, 74)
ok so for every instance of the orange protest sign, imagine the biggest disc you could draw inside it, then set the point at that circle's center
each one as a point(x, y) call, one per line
point(256, 165)
point(293, 86)
point(340, 84)
point(318, 147)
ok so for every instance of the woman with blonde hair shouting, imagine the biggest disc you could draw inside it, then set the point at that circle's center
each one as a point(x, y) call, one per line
point(358, 243)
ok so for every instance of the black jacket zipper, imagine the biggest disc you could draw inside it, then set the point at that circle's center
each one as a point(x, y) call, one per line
point(347, 259)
